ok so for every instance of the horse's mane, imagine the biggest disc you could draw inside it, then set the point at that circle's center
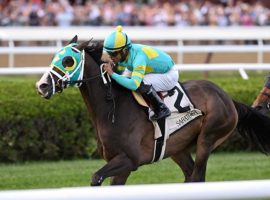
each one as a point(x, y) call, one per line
point(95, 51)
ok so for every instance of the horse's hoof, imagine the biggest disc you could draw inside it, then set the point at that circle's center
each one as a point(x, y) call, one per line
point(93, 185)
point(97, 180)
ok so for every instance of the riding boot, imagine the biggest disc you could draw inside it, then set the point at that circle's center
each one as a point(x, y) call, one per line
point(160, 109)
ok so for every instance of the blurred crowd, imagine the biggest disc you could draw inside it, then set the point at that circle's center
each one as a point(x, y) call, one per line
point(132, 13)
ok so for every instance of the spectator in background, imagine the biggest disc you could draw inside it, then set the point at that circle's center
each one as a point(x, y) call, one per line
point(64, 15)
point(107, 13)
point(132, 13)
point(182, 15)
point(261, 14)
point(49, 18)
point(80, 15)
point(94, 14)
point(247, 18)
point(124, 14)
point(222, 19)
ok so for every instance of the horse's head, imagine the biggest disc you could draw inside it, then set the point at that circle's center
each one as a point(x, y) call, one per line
point(262, 102)
point(66, 68)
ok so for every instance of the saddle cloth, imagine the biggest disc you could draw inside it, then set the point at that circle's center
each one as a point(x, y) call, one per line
point(182, 112)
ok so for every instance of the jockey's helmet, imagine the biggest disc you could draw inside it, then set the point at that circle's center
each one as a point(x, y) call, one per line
point(116, 40)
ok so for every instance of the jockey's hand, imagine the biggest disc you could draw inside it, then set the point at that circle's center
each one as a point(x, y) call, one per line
point(108, 68)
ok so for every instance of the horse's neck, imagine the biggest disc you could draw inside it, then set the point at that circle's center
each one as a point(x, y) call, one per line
point(94, 94)
point(94, 91)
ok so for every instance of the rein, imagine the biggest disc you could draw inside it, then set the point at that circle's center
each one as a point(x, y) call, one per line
point(91, 78)
point(82, 80)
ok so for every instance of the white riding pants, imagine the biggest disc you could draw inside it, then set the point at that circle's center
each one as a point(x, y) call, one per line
point(162, 82)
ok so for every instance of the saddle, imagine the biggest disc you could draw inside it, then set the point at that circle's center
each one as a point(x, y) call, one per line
point(182, 112)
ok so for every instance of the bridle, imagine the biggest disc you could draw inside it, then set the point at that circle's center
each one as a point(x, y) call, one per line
point(83, 80)
point(64, 80)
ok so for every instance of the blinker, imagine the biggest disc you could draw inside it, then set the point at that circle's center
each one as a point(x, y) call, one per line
point(68, 62)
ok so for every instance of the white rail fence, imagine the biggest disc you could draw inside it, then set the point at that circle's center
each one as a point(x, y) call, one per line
point(178, 36)
point(256, 189)
point(241, 67)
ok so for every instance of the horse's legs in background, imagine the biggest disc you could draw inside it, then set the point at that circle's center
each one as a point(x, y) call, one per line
point(185, 162)
point(212, 134)
point(121, 164)
point(203, 151)
point(120, 179)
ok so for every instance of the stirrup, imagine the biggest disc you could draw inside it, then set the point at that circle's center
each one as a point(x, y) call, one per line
point(161, 115)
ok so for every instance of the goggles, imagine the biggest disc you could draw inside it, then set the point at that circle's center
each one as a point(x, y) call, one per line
point(114, 53)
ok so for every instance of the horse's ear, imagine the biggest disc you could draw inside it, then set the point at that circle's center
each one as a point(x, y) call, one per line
point(74, 39)
point(83, 45)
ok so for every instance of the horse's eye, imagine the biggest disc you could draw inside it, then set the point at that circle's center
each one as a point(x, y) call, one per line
point(67, 61)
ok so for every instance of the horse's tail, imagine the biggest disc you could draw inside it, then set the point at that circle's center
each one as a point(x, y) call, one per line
point(254, 126)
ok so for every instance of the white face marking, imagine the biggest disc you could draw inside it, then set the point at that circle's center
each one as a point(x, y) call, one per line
point(42, 80)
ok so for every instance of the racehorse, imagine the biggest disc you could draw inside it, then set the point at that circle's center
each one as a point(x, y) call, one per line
point(262, 101)
point(125, 134)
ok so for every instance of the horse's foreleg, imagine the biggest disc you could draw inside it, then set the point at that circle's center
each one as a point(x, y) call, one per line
point(185, 162)
point(118, 166)
point(120, 179)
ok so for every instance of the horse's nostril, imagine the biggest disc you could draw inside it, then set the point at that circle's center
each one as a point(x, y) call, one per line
point(43, 86)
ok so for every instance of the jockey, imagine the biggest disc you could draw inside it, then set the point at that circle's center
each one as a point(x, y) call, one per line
point(141, 68)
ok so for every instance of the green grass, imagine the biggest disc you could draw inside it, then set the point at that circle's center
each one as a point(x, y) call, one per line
point(221, 167)
point(184, 75)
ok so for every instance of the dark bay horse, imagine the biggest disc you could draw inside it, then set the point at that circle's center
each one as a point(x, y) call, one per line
point(262, 101)
point(124, 133)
